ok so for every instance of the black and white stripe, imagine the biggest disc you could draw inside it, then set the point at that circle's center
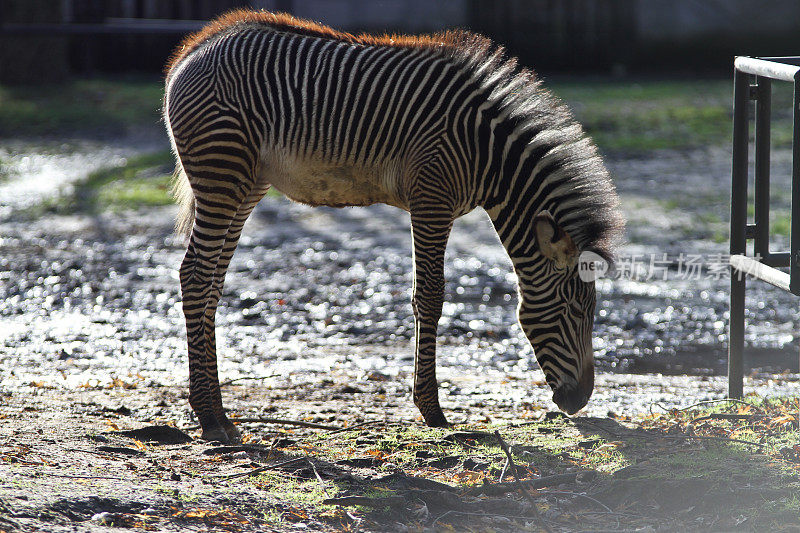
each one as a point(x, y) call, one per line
point(434, 129)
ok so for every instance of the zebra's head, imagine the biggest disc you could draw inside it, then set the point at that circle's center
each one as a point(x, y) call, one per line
point(557, 314)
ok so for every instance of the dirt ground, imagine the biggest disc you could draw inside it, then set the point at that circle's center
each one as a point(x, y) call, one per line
point(69, 462)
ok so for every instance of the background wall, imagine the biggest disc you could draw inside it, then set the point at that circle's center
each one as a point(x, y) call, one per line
point(600, 36)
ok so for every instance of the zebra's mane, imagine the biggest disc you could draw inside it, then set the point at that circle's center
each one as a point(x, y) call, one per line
point(589, 206)
point(584, 202)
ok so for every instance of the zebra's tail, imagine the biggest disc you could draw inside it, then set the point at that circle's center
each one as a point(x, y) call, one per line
point(182, 192)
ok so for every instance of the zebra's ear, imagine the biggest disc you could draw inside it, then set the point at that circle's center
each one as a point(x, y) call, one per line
point(554, 243)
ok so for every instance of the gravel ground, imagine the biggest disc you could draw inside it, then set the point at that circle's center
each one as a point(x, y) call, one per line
point(88, 299)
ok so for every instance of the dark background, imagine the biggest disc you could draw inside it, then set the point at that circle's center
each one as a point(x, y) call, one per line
point(46, 40)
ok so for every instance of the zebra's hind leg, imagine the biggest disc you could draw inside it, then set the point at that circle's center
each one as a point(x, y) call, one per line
point(216, 233)
point(430, 229)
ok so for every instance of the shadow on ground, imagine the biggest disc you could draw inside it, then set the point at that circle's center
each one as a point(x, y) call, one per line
point(68, 458)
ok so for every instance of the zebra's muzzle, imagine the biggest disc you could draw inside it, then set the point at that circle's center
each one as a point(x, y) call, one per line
point(572, 397)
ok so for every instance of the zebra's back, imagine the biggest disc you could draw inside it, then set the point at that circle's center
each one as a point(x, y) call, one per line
point(324, 121)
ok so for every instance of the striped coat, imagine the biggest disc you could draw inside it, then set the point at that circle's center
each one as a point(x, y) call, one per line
point(435, 125)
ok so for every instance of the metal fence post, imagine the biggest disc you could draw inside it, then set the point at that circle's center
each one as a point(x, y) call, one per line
point(794, 254)
point(741, 90)
point(761, 182)
point(764, 265)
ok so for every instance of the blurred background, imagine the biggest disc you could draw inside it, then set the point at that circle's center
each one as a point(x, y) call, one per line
point(597, 36)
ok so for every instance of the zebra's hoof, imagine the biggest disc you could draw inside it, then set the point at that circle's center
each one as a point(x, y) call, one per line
point(436, 420)
point(234, 436)
point(227, 434)
point(216, 434)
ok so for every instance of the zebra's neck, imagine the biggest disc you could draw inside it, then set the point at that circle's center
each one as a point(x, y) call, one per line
point(533, 156)
point(523, 174)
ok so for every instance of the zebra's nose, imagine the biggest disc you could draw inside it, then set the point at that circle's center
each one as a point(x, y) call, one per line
point(570, 398)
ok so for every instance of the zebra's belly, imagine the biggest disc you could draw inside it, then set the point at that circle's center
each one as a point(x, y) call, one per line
point(332, 185)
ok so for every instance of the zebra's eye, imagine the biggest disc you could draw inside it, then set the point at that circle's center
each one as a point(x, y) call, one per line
point(574, 309)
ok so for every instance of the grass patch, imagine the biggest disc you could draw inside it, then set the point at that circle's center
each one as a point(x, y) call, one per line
point(97, 106)
point(707, 214)
point(648, 115)
point(780, 224)
point(142, 181)
point(675, 469)
point(621, 115)
point(297, 492)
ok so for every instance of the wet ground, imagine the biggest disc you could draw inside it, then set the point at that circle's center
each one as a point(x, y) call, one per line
point(90, 296)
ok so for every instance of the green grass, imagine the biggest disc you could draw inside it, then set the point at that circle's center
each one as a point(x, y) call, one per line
point(781, 224)
point(294, 491)
point(622, 115)
point(142, 181)
point(619, 114)
point(98, 106)
point(636, 462)
point(674, 114)
point(707, 213)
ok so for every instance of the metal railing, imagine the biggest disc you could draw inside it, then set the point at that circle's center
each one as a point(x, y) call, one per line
point(752, 81)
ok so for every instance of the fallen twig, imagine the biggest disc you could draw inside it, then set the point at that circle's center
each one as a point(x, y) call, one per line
point(509, 458)
point(415, 482)
point(495, 489)
point(387, 501)
point(517, 481)
point(705, 402)
point(724, 416)
point(86, 477)
point(355, 426)
point(218, 450)
point(262, 469)
point(234, 380)
point(316, 473)
point(284, 422)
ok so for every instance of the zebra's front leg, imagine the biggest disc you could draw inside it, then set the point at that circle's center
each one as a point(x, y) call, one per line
point(430, 233)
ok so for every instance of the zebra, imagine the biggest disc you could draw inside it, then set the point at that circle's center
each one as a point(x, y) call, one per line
point(437, 125)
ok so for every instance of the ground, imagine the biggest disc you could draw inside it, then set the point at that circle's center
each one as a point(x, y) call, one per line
point(68, 464)
point(316, 328)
